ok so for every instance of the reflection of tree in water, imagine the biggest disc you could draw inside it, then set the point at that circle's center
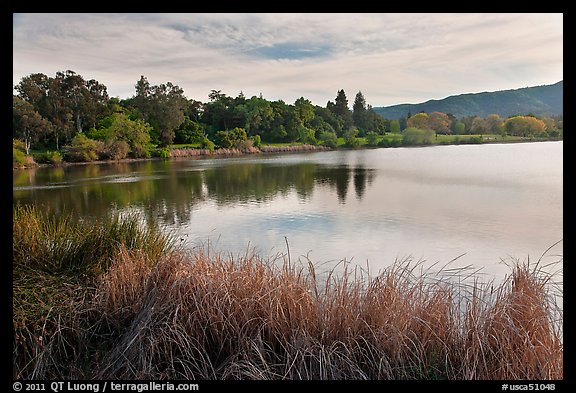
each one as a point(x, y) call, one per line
point(256, 182)
point(339, 178)
point(362, 177)
point(169, 191)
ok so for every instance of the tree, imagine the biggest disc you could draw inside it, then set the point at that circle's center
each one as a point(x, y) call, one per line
point(67, 101)
point(27, 124)
point(439, 122)
point(525, 126)
point(458, 128)
point(350, 137)
point(419, 120)
point(218, 113)
point(259, 117)
point(162, 106)
point(82, 149)
point(333, 122)
point(478, 126)
point(395, 126)
point(329, 138)
point(341, 110)
point(359, 112)
point(304, 111)
point(372, 138)
point(188, 132)
point(375, 122)
point(136, 133)
point(493, 124)
point(34, 90)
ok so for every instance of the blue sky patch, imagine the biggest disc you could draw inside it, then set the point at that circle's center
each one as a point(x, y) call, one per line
point(292, 51)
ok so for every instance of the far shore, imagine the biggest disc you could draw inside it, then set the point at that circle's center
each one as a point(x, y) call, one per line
point(191, 153)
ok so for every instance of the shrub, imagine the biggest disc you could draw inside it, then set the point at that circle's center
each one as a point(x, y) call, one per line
point(116, 150)
point(18, 158)
point(49, 157)
point(372, 138)
point(207, 144)
point(163, 153)
point(97, 134)
point(19, 145)
point(417, 136)
point(82, 149)
point(256, 141)
point(350, 137)
point(329, 138)
point(140, 152)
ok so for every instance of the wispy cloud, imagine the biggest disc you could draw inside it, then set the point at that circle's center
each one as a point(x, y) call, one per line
point(391, 58)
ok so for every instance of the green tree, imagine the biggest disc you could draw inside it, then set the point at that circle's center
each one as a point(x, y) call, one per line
point(350, 137)
point(395, 126)
point(372, 138)
point(27, 124)
point(162, 106)
point(359, 112)
point(136, 133)
point(82, 149)
point(327, 116)
point(329, 138)
point(259, 117)
point(69, 102)
point(340, 109)
point(304, 111)
point(459, 128)
point(189, 131)
point(375, 122)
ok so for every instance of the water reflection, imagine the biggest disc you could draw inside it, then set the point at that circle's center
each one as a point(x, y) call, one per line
point(170, 190)
point(488, 202)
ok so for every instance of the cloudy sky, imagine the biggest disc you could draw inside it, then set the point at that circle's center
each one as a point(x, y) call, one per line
point(391, 58)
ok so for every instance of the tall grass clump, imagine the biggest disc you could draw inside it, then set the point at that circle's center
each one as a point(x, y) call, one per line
point(56, 263)
point(207, 315)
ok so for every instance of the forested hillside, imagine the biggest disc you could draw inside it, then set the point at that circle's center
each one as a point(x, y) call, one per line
point(540, 100)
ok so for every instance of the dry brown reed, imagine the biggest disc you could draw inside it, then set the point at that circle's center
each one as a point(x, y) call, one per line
point(225, 317)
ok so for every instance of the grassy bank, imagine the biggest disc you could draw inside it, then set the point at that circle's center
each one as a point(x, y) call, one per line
point(193, 150)
point(112, 300)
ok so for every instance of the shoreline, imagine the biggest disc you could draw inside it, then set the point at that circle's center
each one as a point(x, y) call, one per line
point(198, 154)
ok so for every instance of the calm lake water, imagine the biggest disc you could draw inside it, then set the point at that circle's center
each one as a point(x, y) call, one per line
point(484, 203)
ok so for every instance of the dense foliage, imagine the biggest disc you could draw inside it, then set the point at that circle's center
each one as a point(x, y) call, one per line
point(71, 118)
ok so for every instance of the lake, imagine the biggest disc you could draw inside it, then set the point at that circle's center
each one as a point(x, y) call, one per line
point(482, 205)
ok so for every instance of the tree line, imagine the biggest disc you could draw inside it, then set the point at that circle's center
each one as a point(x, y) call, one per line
point(76, 119)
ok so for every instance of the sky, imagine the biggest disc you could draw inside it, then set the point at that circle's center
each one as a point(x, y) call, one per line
point(391, 58)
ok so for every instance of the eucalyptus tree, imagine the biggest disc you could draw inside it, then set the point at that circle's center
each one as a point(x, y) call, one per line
point(69, 102)
point(162, 106)
point(27, 124)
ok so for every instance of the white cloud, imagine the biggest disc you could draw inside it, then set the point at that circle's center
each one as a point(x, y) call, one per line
point(391, 58)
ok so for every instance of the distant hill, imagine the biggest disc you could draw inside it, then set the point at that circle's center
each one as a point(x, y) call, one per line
point(539, 100)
